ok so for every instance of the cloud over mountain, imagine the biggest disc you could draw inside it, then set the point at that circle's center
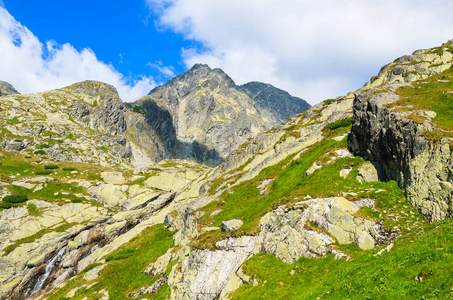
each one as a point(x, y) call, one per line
point(313, 49)
point(32, 66)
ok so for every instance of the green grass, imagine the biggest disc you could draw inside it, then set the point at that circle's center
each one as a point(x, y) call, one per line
point(291, 185)
point(121, 277)
point(33, 210)
point(431, 94)
point(13, 121)
point(122, 254)
point(428, 254)
point(338, 127)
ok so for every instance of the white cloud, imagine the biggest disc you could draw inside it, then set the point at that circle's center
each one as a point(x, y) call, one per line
point(167, 71)
point(314, 49)
point(31, 66)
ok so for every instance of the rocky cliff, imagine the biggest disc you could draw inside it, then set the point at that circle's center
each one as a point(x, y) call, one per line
point(407, 131)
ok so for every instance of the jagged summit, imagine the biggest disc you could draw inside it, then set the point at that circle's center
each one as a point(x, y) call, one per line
point(280, 102)
point(211, 116)
point(7, 89)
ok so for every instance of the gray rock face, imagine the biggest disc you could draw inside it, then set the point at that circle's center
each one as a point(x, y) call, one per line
point(420, 166)
point(7, 89)
point(203, 115)
point(269, 98)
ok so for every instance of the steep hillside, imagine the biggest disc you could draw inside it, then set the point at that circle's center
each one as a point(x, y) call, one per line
point(341, 201)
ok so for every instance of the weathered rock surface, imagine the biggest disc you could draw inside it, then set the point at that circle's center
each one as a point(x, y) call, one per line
point(417, 164)
point(203, 115)
point(231, 225)
point(7, 89)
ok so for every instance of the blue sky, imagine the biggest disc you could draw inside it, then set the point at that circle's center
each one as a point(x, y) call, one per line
point(313, 49)
point(122, 33)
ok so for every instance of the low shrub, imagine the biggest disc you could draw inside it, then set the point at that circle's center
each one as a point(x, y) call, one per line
point(122, 254)
point(68, 169)
point(40, 152)
point(43, 172)
point(51, 167)
point(5, 205)
point(15, 198)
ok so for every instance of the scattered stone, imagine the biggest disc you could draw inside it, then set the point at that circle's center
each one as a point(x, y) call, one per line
point(369, 172)
point(345, 172)
point(215, 212)
point(113, 177)
point(93, 274)
point(264, 186)
point(231, 225)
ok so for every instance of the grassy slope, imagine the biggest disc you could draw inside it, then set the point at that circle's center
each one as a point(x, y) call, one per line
point(427, 254)
point(292, 185)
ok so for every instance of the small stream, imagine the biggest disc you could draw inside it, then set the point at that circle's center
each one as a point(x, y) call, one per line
point(49, 268)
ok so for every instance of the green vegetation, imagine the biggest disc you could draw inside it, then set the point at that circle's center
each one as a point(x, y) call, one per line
point(13, 121)
point(427, 254)
point(40, 152)
point(291, 185)
point(33, 210)
point(328, 101)
point(42, 146)
point(43, 172)
point(91, 267)
point(433, 93)
point(51, 167)
point(337, 127)
point(121, 277)
point(68, 169)
point(122, 254)
point(15, 198)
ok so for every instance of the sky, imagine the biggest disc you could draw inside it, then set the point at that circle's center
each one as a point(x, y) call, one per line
point(313, 49)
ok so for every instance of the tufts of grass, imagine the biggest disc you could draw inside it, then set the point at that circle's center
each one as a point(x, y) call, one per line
point(40, 152)
point(121, 254)
point(33, 210)
point(433, 93)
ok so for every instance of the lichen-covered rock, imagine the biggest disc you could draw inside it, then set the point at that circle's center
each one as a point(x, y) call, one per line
point(231, 225)
point(419, 165)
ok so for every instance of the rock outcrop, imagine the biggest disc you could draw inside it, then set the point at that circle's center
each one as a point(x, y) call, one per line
point(384, 132)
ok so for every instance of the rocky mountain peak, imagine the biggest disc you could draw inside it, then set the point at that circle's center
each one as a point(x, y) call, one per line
point(7, 89)
point(92, 91)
